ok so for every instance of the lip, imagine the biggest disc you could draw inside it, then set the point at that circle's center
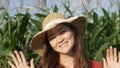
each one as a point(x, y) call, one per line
point(63, 44)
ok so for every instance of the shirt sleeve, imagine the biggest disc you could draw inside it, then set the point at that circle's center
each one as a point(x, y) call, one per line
point(39, 66)
point(95, 64)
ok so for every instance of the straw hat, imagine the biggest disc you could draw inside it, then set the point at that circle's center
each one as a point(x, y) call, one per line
point(53, 19)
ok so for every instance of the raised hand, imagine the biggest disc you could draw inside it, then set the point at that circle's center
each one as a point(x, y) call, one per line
point(20, 61)
point(112, 59)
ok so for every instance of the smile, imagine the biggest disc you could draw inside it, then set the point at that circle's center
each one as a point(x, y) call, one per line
point(63, 44)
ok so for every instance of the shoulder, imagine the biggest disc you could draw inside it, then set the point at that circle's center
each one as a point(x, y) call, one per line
point(95, 64)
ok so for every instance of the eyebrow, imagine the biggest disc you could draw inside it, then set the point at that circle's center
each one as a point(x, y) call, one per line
point(61, 28)
point(51, 32)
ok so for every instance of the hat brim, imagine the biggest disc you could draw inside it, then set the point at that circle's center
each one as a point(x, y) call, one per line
point(38, 41)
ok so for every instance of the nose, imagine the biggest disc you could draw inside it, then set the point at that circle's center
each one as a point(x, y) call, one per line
point(59, 39)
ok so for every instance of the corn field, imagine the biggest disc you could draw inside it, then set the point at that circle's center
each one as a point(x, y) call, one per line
point(16, 32)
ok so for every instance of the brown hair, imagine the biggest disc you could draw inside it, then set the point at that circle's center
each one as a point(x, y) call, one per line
point(51, 58)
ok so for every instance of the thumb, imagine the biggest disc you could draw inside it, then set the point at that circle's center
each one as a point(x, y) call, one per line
point(32, 63)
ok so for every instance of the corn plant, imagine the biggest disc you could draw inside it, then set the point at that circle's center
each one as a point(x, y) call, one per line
point(15, 34)
point(102, 31)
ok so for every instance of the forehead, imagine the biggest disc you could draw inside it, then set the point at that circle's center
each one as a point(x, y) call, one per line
point(58, 28)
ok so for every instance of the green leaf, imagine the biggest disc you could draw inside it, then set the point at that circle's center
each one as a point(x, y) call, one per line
point(99, 55)
point(37, 23)
point(55, 9)
point(23, 27)
point(95, 17)
point(40, 15)
point(69, 11)
point(106, 14)
point(20, 14)
point(114, 34)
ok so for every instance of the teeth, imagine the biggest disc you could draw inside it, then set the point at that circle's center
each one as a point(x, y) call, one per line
point(63, 45)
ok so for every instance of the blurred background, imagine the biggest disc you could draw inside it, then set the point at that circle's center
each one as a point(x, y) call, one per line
point(21, 19)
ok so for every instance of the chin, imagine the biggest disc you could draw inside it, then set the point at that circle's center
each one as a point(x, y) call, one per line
point(65, 52)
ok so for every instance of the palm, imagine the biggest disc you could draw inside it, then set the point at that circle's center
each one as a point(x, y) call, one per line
point(20, 61)
point(113, 64)
point(111, 61)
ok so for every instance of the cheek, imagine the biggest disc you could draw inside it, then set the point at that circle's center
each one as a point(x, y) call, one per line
point(53, 44)
point(71, 38)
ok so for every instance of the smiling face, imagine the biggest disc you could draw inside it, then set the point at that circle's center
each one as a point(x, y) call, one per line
point(61, 39)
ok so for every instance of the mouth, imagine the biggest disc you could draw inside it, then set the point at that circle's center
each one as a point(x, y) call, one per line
point(63, 44)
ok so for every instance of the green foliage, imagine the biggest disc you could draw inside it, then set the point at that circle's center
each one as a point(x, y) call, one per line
point(15, 34)
point(102, 31)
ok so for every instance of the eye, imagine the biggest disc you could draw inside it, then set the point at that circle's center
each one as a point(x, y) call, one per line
point(52, 37)
point(62, 31)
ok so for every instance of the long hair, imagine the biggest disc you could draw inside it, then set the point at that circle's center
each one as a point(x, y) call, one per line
point(51, 58)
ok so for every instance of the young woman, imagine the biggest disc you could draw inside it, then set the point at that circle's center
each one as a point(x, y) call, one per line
point(60, 44)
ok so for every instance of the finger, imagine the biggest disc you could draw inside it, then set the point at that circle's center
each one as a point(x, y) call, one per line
point(111, 53)
point(107, 54)
point(14, 59)
point(18, 56)
point(11, 64)
point(32, 63)
point(104, 63)
point(119, 57)
point(115, 54)
point(23, 57)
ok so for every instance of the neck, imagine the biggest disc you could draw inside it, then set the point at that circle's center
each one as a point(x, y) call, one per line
point(67, 60)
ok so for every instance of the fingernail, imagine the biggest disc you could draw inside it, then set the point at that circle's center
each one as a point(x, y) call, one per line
point(8, 61)
point(110, 46)
point(15, 50)
point(20, 51)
